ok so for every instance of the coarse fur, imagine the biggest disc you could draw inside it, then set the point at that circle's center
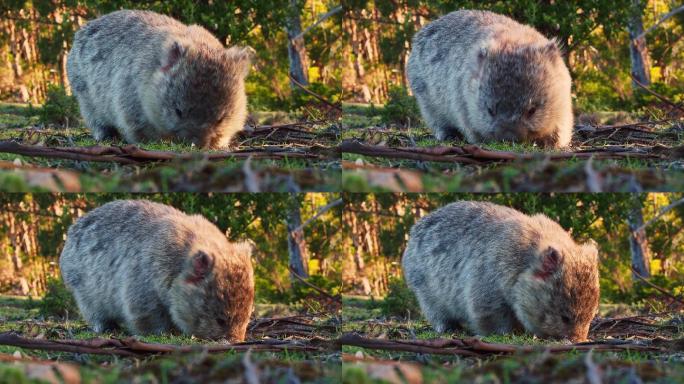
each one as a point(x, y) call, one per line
point(489, 78)
point(145, 76)
point(150, 268)
point(492, 269)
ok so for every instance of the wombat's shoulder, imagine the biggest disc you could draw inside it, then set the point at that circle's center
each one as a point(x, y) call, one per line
point(120, 211)
point(460, 214)
point(140, 205)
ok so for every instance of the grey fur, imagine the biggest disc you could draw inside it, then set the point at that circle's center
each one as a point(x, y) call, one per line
point(150, 268)
point(468, 63)
point(490, 269)
point(145, 76)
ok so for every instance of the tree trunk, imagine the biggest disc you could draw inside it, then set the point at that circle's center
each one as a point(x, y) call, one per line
point(296, 245)
point(296, 52)
point(638, 51)
point(638, 244)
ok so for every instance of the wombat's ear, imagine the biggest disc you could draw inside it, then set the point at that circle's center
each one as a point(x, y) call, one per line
point(591, 248)
point(551, 49)
point(550, 261)
point(174, 53)
point(201, 265)
point(242, 58)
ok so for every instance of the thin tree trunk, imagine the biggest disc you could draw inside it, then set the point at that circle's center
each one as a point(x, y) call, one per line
point(296, 245)
point(638, 52)
point(638, 244)
point(296, 52)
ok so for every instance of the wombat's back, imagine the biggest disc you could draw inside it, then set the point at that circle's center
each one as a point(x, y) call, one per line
point(115, 237)
point(462, 231)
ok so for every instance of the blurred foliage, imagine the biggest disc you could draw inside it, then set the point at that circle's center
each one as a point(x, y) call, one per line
point(58, 301)
point(401, 108)
point(379, 224)
point(400, 301)
point(59, 108)
point(40, 221)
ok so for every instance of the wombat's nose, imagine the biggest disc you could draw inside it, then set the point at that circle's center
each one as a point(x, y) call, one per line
point(577, 338)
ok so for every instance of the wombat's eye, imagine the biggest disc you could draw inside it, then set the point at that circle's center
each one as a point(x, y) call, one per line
point(491, 111)
point(531, 111)
point(221, 322)
point(179, 113)
point(565, 319)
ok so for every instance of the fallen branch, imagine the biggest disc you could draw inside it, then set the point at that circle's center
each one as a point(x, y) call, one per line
point(637, 127)
point(131, 154)
point(292, 127)
point(131, 347)
point(472, 154)
point(477, 347)
point(293, 325)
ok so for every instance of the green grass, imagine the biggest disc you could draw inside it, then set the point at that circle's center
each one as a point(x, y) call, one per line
point(364, 316)
point(363, 123)
point(21, 315)
point(20, 122)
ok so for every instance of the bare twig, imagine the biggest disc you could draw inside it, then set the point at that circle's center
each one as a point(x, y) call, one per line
point(657, 95)
point(660, 21)
point(318, 214)
point(336, 298)
point(251, 372)
point(315, 95)
point(594, 375)
point(660, 214)
point(321, 19)
point(657, 288)
point(299, 325)
point(251, 178)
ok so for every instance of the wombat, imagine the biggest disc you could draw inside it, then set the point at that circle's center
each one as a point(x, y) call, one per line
point(145, 76)
point(490, 78)
point(491, 269)
point(150, 268)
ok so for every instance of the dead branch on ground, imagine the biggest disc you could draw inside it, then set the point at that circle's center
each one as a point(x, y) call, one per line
point(300, 325)
point(477, 347)
point(472, 154)
point(131, 347)
point(131, 154)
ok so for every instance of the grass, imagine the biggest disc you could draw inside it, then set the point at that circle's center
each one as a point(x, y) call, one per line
point(364, 316)
point(20, 122)
point(364, 123)
point(21, 315)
